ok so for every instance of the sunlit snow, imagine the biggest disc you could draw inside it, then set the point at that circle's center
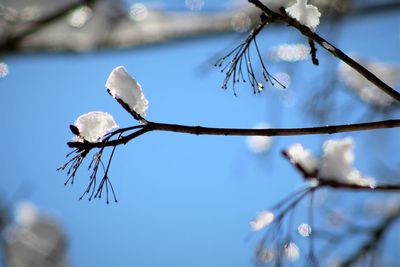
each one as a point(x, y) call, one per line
point(94, 125)
point(307, 15)
point(262, 220)
point(124, 87)
point(303, 158)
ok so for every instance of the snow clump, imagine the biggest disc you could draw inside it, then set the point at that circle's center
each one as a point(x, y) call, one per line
point(262, 220)
point(336, 163)
point(307, 15)
point(93, 126)
point(124, 87)
point(303, 157)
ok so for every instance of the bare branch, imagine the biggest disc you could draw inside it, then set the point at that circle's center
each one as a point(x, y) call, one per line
point(284, 18)
point(347, 186)
point(199, 130)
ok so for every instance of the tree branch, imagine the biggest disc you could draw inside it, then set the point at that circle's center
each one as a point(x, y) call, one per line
point(347, 186)
point(329, 47)
point(10, 43)
point(199, 130)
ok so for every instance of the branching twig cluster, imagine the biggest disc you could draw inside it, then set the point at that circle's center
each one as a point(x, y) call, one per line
point(241, 55)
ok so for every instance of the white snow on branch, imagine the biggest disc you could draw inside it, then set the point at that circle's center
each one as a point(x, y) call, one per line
point(307, 15)
point(291, 252)
point(335, 164)
point(26, 214)
point(274, 5)
point(259, 144)
point(337, 158)
point(368, 92)
point(303, 157)
point(93, 126)
point(124, 87)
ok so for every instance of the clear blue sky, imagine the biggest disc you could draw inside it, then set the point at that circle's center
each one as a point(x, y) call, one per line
point(183, 200)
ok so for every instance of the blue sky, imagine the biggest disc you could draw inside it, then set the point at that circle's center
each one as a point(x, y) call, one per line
point(183, 200)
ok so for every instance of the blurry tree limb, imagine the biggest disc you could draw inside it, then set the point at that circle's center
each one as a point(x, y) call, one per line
point(376, 236)
point(111, 26)
point(13, 40)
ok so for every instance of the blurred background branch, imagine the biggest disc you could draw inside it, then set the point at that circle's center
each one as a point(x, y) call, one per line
point(67, 25)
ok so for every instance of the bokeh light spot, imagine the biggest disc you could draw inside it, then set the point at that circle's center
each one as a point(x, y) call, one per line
point(80, 16)
point(138, 12)
point(3, 70)
point(304, 230)
point(241, 22)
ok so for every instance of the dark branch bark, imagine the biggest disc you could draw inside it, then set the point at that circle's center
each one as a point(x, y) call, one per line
point(348, 186)
point(329, 47)
point(199, 130)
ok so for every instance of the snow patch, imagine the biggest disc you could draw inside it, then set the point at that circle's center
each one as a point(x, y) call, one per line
point(124, 87)
point(336, 163)
point(93, 126)
point(303, 158)
point(307, 15)
point(262, 220)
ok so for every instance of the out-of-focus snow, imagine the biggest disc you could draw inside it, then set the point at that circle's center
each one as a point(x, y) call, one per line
point(307, 15)
point(34, 240)
point(262, 220)
point(291, 252)
point(94, 125)
point(368, 92)
point(335, 164)
point(259, 144)
point(337, 158)
point(289, 52)
point(274, 5)
point(25, 214)
point(303, 157)
point(124, 87)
